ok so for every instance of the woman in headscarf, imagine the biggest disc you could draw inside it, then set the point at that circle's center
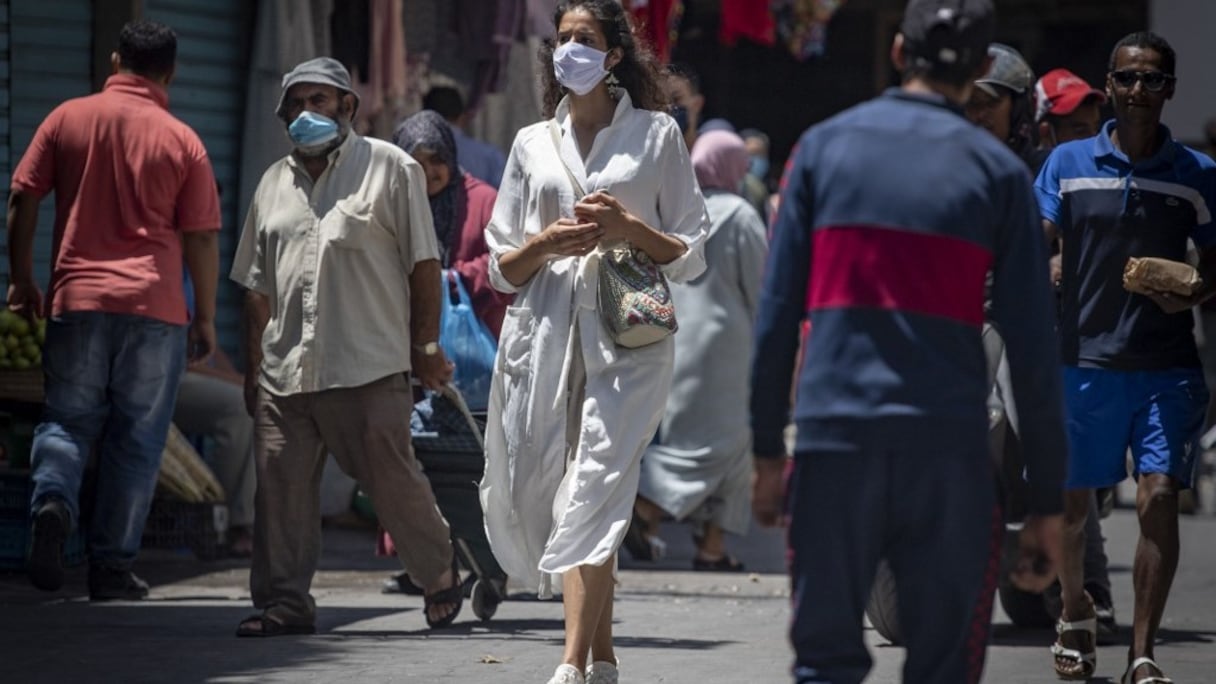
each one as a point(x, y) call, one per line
point(699, 469)
point(461, 207)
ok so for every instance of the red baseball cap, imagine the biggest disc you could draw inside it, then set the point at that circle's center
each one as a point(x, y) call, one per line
point(1060, 91)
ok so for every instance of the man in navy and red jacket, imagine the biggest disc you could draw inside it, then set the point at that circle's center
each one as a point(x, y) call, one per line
point(891, 216)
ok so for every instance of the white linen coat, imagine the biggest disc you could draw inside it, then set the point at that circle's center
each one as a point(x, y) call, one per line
point(543, 518)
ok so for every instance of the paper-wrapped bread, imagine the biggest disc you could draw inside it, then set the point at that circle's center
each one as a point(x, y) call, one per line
point(1152, 275)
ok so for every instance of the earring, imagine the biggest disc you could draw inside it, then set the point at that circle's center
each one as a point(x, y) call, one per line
point(614, 86)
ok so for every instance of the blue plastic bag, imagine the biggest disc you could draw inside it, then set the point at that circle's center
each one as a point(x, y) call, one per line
point(467, 342)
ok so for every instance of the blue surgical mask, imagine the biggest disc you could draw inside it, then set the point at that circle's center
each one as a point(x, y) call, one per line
point(579, 67)
point(758, 167)
point(311, 130)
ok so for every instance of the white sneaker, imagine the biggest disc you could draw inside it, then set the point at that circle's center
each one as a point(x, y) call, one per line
point(566, 674)
point(603, 672)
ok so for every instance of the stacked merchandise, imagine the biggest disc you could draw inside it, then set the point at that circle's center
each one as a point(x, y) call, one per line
point(189, 511)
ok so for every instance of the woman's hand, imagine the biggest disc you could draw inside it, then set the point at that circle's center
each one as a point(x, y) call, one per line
point(618, 224)
point(569, 237)
point(608, 212)
point(564, 237)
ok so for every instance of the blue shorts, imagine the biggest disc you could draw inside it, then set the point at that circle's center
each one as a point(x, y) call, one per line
point(1156, 414)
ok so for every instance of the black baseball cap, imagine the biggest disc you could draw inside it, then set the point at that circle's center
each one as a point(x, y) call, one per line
point(951, 34)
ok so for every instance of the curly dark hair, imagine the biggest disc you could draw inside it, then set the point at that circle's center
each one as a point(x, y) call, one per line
point(638, 71)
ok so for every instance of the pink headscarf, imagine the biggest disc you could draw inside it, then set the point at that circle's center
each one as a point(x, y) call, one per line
point(719, 159)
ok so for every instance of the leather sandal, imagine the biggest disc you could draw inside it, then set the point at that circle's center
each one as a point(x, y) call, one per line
point(727, 563)
point(1087, 660)
point(453, 595)
point(1151, 679)
point(270, 627)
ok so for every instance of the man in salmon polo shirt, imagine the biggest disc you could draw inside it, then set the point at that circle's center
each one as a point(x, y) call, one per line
point(135, 199)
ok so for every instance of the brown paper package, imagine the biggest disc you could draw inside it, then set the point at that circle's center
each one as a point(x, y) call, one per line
point(1150, 275)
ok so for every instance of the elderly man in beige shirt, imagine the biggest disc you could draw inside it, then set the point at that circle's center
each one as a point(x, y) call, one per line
point(339, 260)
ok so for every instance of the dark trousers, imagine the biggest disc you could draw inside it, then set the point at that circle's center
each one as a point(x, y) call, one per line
point(367, 429)
point(930, 510)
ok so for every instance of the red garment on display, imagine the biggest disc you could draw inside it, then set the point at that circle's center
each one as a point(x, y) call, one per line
point(750, 19)
point(658, 21)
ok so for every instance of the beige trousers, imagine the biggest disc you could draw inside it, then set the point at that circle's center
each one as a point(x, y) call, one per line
point(367, 429)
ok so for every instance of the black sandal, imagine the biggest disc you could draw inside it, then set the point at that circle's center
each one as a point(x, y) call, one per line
point(727, 563)
point(453, 595)
point(270, 627)
point(640, 539)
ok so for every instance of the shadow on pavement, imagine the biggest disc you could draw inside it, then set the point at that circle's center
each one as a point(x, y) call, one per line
point(1009, 635)
point(522, 630)
point(149, 640)
point(1182, 636)
point(669, 643)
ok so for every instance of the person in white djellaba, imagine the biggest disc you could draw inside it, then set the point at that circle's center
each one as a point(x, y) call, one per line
point(699, 470)
point(570, 411)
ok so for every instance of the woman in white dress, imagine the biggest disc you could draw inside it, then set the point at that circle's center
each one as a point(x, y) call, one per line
point(571, 412)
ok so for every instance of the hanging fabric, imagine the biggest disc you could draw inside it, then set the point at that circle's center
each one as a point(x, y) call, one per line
point(747, 19)
point(382, 87)
point(284, 36)
point(350, 29)
point(802, 25)
point(538, 22)
point(658, 21)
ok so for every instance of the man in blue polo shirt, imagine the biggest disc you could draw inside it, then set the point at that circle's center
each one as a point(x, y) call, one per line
point(1132, 375)
point(892, 214)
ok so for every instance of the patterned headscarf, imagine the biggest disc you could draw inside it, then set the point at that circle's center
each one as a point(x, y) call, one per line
point(429, 130)
point(720, 160)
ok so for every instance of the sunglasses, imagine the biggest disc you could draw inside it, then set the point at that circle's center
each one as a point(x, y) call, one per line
point(1154, 81)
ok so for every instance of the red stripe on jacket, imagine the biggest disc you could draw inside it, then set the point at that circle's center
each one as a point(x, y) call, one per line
point(898, 270)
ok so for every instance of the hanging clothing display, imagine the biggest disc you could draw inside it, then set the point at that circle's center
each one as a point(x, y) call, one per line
point(421, 21)
point(538, 20)
point(485, 39)
point(284, 35)
point(424, 27)
point(350, 27)
point(659, 22)
point(747, 19)
point(382, 86)
point(802, 25)
point(501, 115)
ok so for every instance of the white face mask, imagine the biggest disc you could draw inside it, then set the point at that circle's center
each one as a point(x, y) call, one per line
point(579, 67)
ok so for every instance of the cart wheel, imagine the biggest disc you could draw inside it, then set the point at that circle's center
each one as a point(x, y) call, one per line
point(485, 600)
point(883, 608)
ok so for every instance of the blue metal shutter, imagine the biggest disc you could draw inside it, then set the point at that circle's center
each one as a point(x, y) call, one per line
point(6, 166)
point(49, 60)
point(208, 93)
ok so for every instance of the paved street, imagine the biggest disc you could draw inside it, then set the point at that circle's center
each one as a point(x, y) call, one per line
point(673, 626)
